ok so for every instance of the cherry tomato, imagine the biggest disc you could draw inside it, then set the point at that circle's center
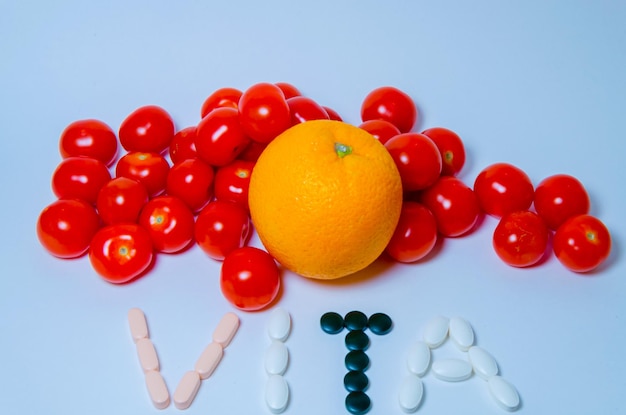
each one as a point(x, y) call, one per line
point(183, 145)
point(415, 235)
point(66, 226)
point(454, 205)
point(582, 243)
point(233, 181)
point(417, 158)
point(264, 112)
point(192, 182)
point(252, 151)
point(390, 104)
point(250, 278)
point(289, 91)
point(502, 188)
point(332, 114)
point(80, 178)
point(150, 169)
point(382, 130)
point(305, 109)
point(121, 200)
point(451, 148)
point(521, 238)
point(169, 222)
point(559, 197)
point(89, 138)
point(220, 98)
point(219, 137)
point(121, 252)
point(148, 129)
point(221, 227)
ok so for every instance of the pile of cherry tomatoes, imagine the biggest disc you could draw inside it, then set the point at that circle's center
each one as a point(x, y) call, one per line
point(170, 190)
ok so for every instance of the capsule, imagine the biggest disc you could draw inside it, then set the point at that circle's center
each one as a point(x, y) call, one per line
point(147, 355)
point(157, 389)
point(226, 329)
point(137, 324)
point(209, 359)
point(187, 389)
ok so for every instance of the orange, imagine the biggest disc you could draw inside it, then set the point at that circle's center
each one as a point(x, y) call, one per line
point(325, 198)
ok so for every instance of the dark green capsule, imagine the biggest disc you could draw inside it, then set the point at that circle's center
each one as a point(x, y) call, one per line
point(357, 360)
point(357, 340)
point(355, 320)
point(380, 323)
point(358, 403)
point(331, 322)
point(355, 380)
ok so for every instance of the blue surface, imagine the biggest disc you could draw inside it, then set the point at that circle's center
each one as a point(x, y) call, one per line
point(537, 84)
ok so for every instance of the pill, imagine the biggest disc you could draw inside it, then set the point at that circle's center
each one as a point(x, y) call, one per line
point(279, 324)
point(331, 322)
point(355, 320)
point(452, 370)
point(226, 329)
point(357, 360)
point(436, 331)
point(138, 324)
point(276, 358)
point(355, 380)
point(157, 389)
point(483, 362)
point(187, 389)
point(276, 393)
point(358, 402)
point(411, 393)
point(380, 323)
point(461, 333)
point(504, 393)
point(418, 359)
point(357, 340)
point(147, 355)
point(209, 359)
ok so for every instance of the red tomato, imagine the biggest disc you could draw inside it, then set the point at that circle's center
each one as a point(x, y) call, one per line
point(520, 239)
point(582, 243)
point(148, 129)
point(221, 227)
point(305, 109)
point(252, 151)
point(502, 188)
point(89, 138)
point(220, 98)
point(121, 200)
point(390, 104)
point(219, 137)
point(169, 222)
point(150, 169)
point(250, 279)
point(264, 112)
point(80, 178)
point(382, 130)
point(121, 252)
point(289, 91)
point(66, 226)
point(415, 235)
point(558, 198)
point(192, 182)
point(332, 114)
point(451, 148)
point(233, 181)
point(454, 205)
point(183, 145)
point(417, 158)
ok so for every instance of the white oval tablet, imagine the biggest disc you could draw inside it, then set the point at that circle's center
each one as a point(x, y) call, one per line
point(452, 370)
point(209, 359)
point(504, 393)
point(411, 393)
point(187, 389)
point(226, 329)
point(157, 389)
point(436, 331)
point(418, 359)
point(147, 355)
point(279, 324)
point(276, 358)
point(461, 333)
point(138, 324)
point(276, 393)
point(483, 362)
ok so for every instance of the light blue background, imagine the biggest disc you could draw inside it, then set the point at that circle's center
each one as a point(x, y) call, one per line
point(540, 84)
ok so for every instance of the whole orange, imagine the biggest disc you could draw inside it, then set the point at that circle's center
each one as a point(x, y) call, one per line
point(325, 198)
